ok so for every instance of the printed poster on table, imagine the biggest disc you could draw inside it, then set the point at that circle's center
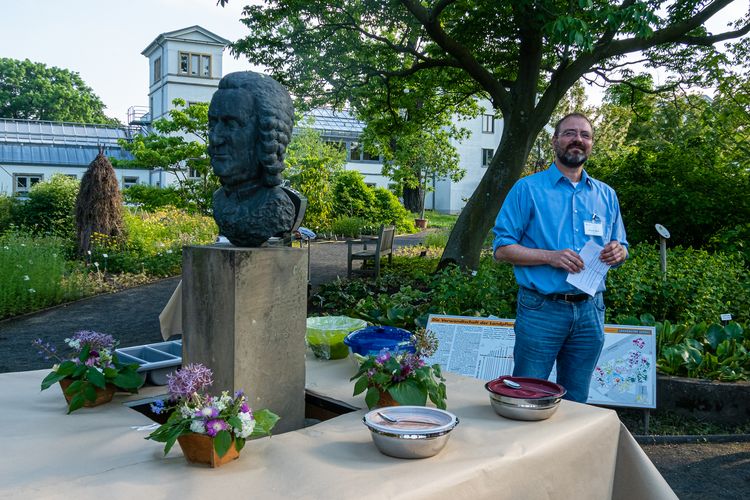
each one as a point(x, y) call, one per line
point(625, 374)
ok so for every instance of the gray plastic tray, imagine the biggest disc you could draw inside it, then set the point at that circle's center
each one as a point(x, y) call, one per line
point(155, 361)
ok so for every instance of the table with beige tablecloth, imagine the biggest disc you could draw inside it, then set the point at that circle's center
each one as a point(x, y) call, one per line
point(581, 452)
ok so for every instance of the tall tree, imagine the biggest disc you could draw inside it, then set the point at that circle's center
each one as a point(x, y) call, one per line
point(523, 55)
point(34, 91)
point(180, 147)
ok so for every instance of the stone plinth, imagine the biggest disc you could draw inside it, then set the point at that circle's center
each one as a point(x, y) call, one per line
point(243, 316)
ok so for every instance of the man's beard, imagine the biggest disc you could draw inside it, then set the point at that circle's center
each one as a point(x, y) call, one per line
point(571, 160)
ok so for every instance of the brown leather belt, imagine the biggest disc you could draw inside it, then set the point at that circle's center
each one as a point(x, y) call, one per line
point(569, 297)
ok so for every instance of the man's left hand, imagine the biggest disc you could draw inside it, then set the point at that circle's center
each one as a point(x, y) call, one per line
point(613, 253)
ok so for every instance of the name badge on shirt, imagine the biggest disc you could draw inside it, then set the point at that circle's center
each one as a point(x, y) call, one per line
point(593, 228)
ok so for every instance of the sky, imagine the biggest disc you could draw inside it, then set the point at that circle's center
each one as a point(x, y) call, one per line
point(102, 40)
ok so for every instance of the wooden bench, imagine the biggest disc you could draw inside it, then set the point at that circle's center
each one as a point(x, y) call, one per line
point(379, 247)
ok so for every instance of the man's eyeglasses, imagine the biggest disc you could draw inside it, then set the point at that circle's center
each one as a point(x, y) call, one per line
point(572, 134)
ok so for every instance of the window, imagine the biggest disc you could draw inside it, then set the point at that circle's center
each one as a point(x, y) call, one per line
point(22, 183)
point(129, 181)
point(486, 156)
point(488, 124)
point(195, 64)
point(368, 157)
point(355, 151)
point(157, 69)
point(336, 144)
point(193, 173)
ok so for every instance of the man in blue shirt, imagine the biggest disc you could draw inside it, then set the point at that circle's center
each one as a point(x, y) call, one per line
point(545, 221)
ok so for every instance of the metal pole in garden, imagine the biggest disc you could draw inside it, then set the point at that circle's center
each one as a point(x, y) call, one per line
point(663, 236)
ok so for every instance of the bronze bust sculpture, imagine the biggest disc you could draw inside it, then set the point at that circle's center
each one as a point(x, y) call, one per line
point(250, 122)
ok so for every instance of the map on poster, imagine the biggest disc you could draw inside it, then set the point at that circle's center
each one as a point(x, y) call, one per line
point(625, 374)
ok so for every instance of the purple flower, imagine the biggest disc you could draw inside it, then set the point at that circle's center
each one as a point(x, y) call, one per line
point(213, 427)
point(244, 408)
point(189, 380)
point(95, 340)
point(207, 412)
point(383, 357)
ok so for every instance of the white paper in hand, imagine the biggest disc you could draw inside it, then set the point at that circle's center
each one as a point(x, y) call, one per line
point(594, 270)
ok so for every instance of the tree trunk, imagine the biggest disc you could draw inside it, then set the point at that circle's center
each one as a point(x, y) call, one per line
point(411, 198)
point(478, 216)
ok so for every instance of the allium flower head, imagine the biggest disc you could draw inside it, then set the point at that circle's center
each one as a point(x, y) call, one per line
point(97, 341)
point(191, 379)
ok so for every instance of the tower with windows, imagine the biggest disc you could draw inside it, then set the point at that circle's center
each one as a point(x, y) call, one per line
point(186, 64)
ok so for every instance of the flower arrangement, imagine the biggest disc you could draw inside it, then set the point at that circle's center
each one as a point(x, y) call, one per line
point(224, 418)
point(91, 366)
point(404, 375)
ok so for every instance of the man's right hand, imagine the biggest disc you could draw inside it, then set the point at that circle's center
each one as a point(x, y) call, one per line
point(567, 260)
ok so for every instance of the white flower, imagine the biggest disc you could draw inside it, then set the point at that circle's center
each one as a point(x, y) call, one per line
point(26, 277)
point(169, 251)
point(96, 264)
point(186, 412)
point(105, 255)
point(222, 402)
point(248, 424)
point(198, 427)
point(88, 252)
point(31, 290)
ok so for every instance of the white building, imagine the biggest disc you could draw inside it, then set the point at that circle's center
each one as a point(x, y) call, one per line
point(187, 64)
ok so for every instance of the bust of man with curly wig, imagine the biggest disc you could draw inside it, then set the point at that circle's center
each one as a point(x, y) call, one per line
point(250, 122)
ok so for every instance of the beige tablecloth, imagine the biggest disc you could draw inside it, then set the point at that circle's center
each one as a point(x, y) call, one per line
point(581, 452)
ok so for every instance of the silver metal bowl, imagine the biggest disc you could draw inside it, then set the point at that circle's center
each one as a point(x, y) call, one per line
point(523, 411)
point(419, 432)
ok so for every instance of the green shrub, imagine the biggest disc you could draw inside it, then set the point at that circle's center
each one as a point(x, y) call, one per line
point(154, 242)
point(50, 209)
point(699, 287)
point(388, 210)
point(437, 239)
point(352, 197)
point(151, 198)
point(733, 240)
point(7, 209)
point(350, 227)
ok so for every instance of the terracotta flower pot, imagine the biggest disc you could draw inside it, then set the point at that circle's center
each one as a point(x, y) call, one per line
point(102, 395)
point(420, 223)
point(386, 400)
point(199, 449)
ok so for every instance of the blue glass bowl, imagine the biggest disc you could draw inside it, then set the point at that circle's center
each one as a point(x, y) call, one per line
point(373, 339)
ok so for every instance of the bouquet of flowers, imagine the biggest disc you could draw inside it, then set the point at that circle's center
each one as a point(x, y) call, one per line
point(404, 375)
point(91, 365)
point(224, 418)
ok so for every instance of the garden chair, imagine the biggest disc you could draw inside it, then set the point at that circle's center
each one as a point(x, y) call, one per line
point(373, 249)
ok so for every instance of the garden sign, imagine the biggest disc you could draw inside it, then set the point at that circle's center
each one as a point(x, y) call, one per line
point(625, 374)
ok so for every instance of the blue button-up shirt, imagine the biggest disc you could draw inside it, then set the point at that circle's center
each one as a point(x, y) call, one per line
point(546, 211)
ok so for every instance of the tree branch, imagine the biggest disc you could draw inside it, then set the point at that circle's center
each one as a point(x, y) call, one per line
point(461, 54)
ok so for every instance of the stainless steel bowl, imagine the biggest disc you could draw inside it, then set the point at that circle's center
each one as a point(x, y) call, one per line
point(419, 431)
point(523, 411)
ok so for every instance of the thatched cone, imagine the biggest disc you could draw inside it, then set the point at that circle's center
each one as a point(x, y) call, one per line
point(99, 203)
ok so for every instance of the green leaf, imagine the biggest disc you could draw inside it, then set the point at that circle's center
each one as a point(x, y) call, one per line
point(360, 385)
point(84, 355)
point(239, 443)
point(76, 402)
point(222, 442)
point(128, 380)
point(734, 331)
point(715, 335)
point(265, 420)
point(96, 377)
point(66, 368)
point(89, 392)
point(372, 397)
point(74, 387)
point(409, 392)
point(51, 379)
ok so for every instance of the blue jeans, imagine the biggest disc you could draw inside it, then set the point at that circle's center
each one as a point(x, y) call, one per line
point(570, 332)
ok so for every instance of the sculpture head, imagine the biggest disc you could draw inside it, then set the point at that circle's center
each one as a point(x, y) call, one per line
point(250, 122)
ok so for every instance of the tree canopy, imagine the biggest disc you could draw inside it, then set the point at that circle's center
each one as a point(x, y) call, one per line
point(34, 91)
point(428, 57)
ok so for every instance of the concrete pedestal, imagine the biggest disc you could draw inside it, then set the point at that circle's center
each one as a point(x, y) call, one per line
point(243, 316)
